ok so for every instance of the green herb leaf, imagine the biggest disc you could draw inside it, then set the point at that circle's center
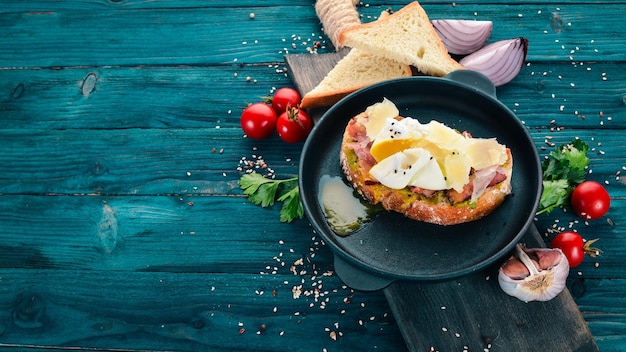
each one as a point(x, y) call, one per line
point(554, 194)
point(251, 182)
point(292, 206)
point(265, 192)
point(562, 171)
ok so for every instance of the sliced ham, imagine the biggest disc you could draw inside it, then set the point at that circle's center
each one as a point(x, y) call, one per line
point(357, 130)
point(479, 182)
point(366, 160)
point(456, 197)
point(499, 177)
point(428, 193)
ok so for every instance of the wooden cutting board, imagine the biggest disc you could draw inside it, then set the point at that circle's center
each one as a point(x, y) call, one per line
point(471, 313)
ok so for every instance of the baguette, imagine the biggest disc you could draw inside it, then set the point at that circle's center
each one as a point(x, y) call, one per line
point(406, 36)
point(442, 207)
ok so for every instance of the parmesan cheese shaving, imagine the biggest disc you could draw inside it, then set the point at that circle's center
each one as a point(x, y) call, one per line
point(431, 156)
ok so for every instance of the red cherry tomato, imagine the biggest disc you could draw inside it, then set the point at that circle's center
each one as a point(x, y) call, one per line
point(258, 120)
point(294, 125)
point(590, 200)
point(574, 247)
point(283, 98)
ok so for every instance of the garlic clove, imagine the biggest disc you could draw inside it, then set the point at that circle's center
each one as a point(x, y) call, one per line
point(515, 269)
point(537, 274)
point(547, 259)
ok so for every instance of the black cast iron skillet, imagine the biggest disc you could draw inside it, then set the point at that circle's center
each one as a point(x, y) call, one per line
point(393, 247)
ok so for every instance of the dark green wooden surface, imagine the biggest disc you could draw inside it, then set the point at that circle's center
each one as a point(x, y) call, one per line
point(121, 222)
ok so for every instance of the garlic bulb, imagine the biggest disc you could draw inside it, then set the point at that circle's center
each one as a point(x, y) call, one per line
point(537, 274)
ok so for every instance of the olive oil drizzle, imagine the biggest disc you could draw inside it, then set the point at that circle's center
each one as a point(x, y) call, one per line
point(344, 210)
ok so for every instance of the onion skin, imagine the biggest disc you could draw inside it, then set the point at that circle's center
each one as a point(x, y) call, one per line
point(500, 61)
point(462, 37)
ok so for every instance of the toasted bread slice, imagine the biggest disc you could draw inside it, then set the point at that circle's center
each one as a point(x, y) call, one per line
point(358, 69)
point(437, 207)
point(406, 36)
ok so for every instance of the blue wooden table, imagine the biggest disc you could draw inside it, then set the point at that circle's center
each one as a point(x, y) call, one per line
point(122, 225)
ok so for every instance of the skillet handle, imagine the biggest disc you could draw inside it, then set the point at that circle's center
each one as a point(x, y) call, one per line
point(473, 79)
point(359, 279)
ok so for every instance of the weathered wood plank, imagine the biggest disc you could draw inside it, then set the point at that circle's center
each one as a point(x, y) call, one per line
point(189, 312)
point(544, 95)
point(144, 97)
point(495, 321)
point(208, 311)
point(191, 161)
point(44, 5)
point(74, 238)
point(135, 161)
point(606, 320)
point(158, 246)
point(193, 36)
point(153, 37)
point(39, 5)
point(116, 116)
point(147, 233)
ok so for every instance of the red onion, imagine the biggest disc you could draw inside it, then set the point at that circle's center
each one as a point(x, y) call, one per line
point(463, 37)
point(500, 61)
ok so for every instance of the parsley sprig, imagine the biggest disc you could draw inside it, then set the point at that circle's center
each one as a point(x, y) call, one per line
point(563, 170)
point(265, 192)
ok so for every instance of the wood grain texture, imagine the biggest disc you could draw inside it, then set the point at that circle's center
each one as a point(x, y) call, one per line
point(160, 311)
point(560, 91)
point(133, 161)
point(119, 153)
point(142, 233)
point(472, 313)
point(185, 36)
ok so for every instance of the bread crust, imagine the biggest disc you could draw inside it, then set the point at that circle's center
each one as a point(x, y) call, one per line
point(437, 63)
point(438, 210)
point(310, 101)
point(351, 73)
